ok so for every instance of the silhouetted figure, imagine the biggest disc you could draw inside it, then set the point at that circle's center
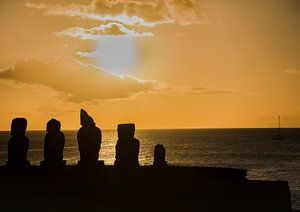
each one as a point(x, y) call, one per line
point(18, 144)
point(128, 147)
point(54, 145)
point(159, 156)
point(89, 140)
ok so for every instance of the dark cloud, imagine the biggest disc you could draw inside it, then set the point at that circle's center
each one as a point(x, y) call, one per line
point(82, 83)
point(207, 90)
point(177, 11)
point(131, 12)
point(196, 90)
point(292, 71)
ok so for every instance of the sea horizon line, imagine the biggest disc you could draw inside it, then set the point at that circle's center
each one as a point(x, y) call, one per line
point(179, 128)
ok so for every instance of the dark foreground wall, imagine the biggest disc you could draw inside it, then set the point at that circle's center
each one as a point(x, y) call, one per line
point(145, 189)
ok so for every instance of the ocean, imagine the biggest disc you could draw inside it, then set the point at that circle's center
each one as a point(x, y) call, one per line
point(252, 149)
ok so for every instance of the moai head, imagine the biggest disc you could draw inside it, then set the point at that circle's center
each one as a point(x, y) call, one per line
point(159, 155)
point(126, 131)
point(85, 119)
point(18, 126)
point(53, 126)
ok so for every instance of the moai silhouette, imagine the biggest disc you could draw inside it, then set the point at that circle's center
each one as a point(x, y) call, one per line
point(159, 156)
point(127, 148)
point(89, 140)
point(18, 144)
point(54, 145)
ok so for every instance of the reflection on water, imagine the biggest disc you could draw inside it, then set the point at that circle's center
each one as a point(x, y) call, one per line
point(252, 149)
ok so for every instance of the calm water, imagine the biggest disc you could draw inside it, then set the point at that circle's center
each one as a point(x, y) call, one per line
point(252, 149)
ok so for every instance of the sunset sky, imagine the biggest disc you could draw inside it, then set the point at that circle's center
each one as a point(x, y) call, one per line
point(156, 63)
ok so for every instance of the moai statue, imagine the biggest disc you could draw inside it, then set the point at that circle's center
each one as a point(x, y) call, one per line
point(54, 145)
point(127, 148)
point(89, 141)
point(159, 156)
point(18, 144)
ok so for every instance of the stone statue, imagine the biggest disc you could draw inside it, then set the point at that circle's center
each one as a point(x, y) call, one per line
point(127, 148)
point(159, 156)
point(18, 144)
point(89, 140)
point(54, 144)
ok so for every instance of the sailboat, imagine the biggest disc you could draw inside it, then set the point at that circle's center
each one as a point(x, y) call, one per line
point(278, 136)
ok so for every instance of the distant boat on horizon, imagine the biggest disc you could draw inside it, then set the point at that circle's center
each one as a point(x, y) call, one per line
point(279, 135)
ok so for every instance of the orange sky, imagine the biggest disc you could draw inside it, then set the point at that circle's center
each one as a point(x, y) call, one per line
point(157, 63)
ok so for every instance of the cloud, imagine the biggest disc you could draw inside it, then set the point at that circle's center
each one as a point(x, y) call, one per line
point(122, 17)
point(291, 71)
point(87, 54)
point(130, 12)
point(211, 91)
point(81, 83)
point(105, 30)
point(194, 91)
point(180, 35)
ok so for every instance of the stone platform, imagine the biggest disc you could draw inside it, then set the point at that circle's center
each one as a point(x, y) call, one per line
point(106, 188)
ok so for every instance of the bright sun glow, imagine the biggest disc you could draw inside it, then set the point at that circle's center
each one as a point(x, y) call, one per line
point(116, 54)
